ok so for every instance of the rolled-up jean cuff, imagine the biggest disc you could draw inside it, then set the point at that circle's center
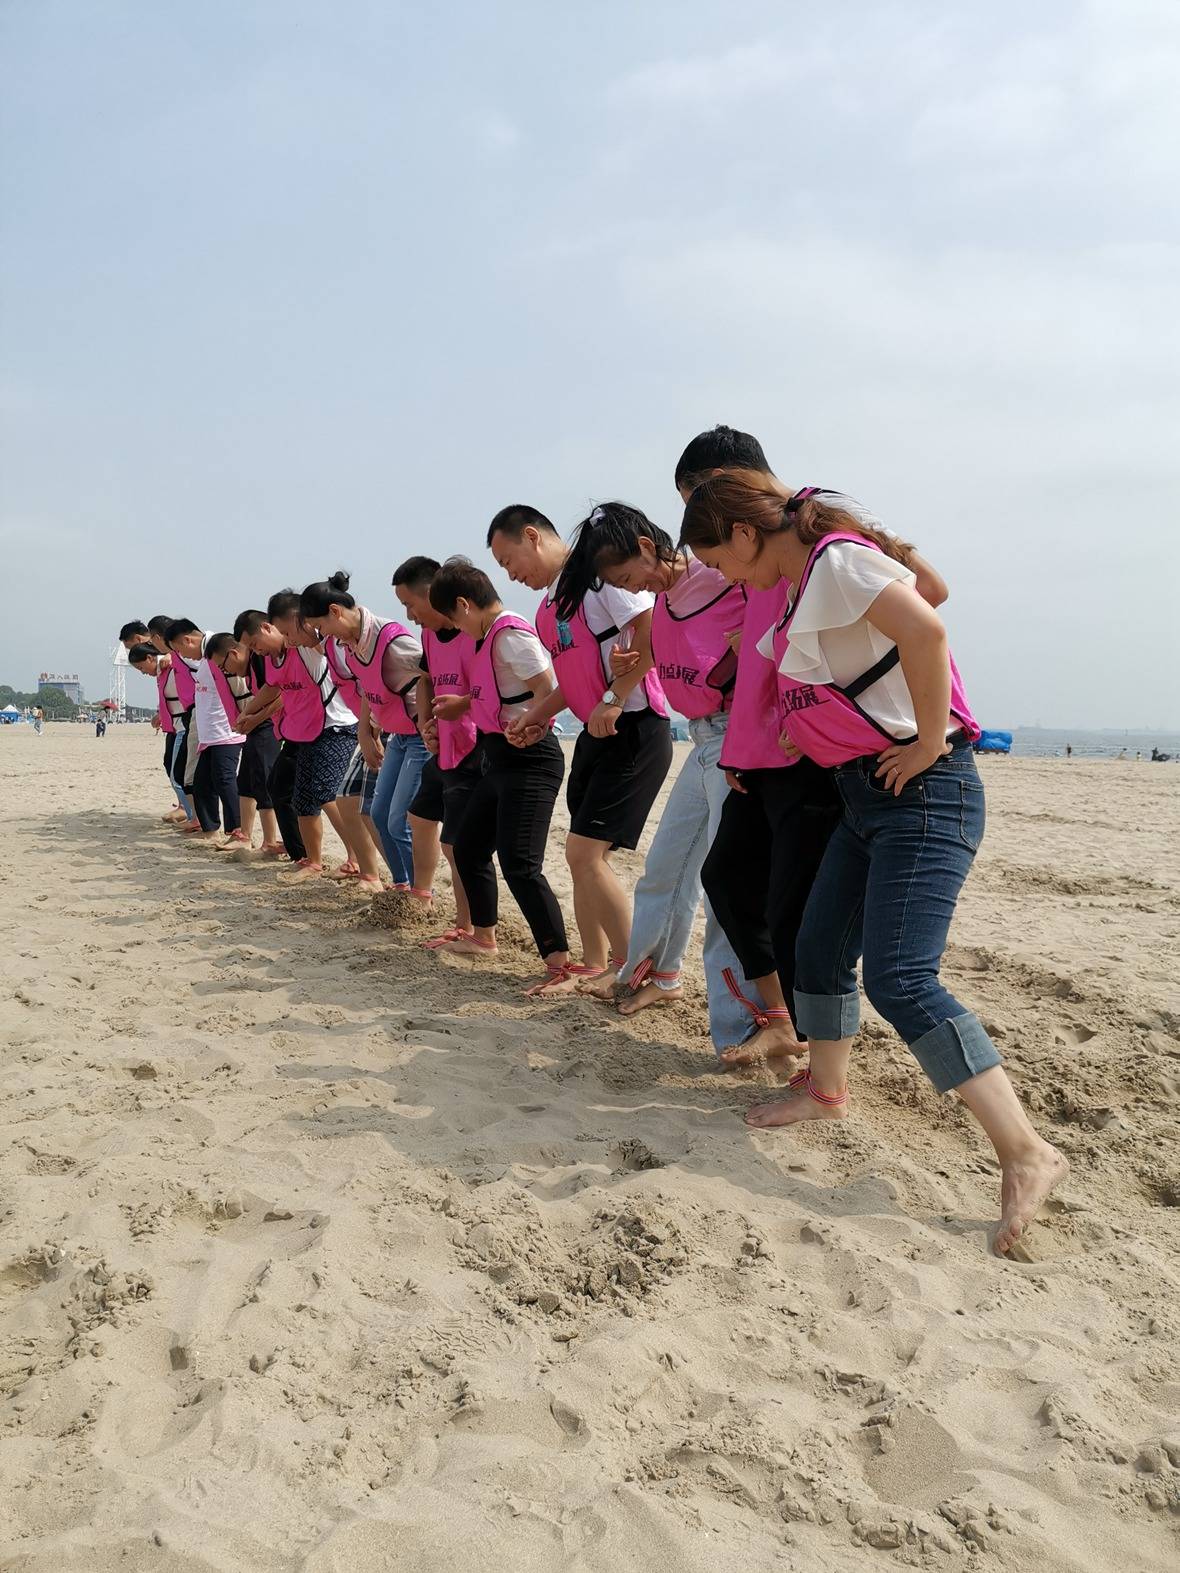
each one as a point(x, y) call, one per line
point(955, 1051)
point(827, 1016)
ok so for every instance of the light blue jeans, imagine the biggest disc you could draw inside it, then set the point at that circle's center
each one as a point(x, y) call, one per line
point(397, 787)
point(669, 890)
point(182, 798)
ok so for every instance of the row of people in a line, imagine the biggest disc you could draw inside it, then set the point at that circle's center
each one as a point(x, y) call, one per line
point(830, 804)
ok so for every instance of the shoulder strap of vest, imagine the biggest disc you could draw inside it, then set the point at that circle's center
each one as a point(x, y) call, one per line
point(875, 673)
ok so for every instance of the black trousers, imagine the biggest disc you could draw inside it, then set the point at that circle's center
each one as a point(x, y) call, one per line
point(508, 814)
point(763, 862)
point(281, 786)
point(215, 785)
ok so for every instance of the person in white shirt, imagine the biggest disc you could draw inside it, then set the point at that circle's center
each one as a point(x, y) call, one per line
point(623, 754)
point(510, 810)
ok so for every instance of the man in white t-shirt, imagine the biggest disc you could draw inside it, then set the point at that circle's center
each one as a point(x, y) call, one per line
point(624, 752)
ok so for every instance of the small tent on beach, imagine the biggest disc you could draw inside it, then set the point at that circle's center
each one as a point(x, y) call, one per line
point(994, 743)
point(8, 715)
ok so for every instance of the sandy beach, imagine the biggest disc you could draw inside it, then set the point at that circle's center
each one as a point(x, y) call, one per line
point(320, 1253)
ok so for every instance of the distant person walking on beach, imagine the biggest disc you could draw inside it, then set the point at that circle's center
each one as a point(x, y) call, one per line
point(867, 687)
point(1069, 750)
point(38, 720)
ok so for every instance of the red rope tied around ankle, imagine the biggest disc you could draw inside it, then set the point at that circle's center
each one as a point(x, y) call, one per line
point(644, 970)
point(802, 1079)
point(764, 1015)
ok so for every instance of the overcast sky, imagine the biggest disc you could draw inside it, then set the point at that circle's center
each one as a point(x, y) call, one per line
point(290, 286)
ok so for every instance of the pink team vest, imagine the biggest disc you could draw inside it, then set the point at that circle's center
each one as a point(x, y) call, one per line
point(230, 702)
point(449, 663)
point(750, 744)
point(576, 653)
point(346, 684)
point(301, 719)
point(167, 724)
point(486, 698)
point(186, 688)
point(688, 649)
point(825, 722)
point(388, 708)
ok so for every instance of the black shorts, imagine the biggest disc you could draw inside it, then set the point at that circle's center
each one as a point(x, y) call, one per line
point(614, 781)
point(443, 794)
point(259, 753)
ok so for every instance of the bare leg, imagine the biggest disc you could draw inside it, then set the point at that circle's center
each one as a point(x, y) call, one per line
point(333, 816)
point(374, 836)
point(601, 907)
point(361, 851)
point(311, 829)
point(424, 834)
point(829, 1074)
point(773, 1042)
point(249, 810)
point(270, 828)
point(1029, 1165)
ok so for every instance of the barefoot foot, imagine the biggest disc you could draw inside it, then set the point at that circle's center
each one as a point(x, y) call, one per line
point(1025, 1185)
point(776, 1042)
point(796, 1106)
point(646, 995)
point(467, 946)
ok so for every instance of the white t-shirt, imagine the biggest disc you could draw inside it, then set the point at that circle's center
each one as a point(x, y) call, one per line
point(213, 725)
point(831, 640)
point(609, 612)
point(401, 663)
point(175, 708)
point(518, 657)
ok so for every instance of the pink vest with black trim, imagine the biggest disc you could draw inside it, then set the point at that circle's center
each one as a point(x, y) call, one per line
point(823, 720)
point(231, 703)
point(688, 650)
point(576, 652)
point(167, 724)
point(387, 707)
point(449, 663)
point(751, 742)
point(486, 698)
point(301, 718)
point(346, 684)
point(186, 688)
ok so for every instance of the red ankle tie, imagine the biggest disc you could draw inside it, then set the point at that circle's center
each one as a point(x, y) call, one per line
point(802, 1079)
point(763, 1015)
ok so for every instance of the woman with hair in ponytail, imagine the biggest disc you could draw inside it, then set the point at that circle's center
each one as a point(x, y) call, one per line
point(867, 687)
point(385, 659)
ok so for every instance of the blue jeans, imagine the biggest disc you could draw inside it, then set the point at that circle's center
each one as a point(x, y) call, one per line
point(177, 780)
point(669, 889)
point(887, 888)
point(397, 787)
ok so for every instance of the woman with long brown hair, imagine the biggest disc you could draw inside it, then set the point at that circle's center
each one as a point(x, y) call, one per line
point(867, 687)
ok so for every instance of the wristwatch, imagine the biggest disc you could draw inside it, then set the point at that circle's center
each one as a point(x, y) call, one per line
point(612, 699)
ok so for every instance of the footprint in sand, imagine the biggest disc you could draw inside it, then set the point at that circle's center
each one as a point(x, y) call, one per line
point(1072, 1036)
